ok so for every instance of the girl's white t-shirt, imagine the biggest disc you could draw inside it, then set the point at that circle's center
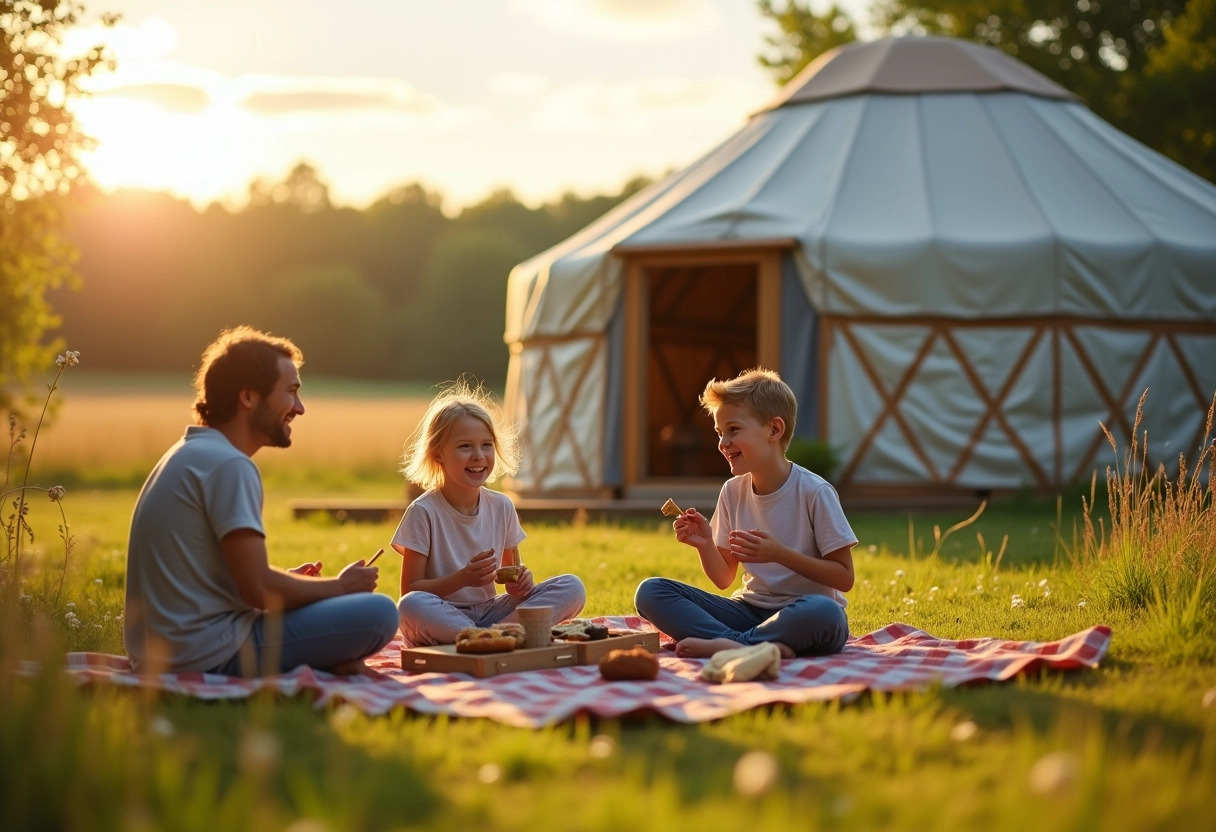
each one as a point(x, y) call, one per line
point(450, 539)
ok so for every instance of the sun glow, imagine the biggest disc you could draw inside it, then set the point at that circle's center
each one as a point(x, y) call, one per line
point(200, 156)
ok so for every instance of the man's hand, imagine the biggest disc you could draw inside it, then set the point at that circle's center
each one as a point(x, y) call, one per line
point(754, 546)
point(692, 528)
point(480, 569)
point(358, 578)
point(310, 570)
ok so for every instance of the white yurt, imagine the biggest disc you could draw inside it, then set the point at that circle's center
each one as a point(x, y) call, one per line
point(957, 266)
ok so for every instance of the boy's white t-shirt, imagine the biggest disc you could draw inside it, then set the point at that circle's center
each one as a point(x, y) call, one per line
point(450, 539)
point(803, 514)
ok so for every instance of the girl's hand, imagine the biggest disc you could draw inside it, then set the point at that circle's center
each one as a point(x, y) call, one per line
point(522, 586)
point(310, 570)
point(480, 569)
point(753, 546)
point(692, 528)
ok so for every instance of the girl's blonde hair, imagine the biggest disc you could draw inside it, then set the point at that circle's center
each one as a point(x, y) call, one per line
point(420, 464)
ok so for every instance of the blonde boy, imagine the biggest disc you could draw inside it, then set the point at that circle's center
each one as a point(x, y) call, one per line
point(781, 522)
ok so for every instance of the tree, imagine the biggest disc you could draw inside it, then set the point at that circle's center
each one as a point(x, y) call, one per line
point(40, 143)
point(804, 36)
point(1105, 51)
point(1176, 98)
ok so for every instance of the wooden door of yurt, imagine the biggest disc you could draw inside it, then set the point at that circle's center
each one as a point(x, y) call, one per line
point(690, 317)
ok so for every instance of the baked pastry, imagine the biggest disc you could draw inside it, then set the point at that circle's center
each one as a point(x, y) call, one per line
point(670, 509)
point(744, 664)
point(507, 574)
point(579, 629)
point(515, 631)
point(484, 640)
point(636, 663)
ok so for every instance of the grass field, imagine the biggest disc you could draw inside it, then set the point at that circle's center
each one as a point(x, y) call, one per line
point(1131, 745)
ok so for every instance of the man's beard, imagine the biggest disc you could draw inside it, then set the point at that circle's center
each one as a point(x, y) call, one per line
point(271, 426)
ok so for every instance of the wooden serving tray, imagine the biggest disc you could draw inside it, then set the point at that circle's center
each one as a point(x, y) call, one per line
point(590, 652)
point(443, 658)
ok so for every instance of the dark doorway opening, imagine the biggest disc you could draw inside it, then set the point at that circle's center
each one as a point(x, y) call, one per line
point(702, 325)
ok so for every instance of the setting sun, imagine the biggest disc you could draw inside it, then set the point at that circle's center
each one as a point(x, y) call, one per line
point(201, 156)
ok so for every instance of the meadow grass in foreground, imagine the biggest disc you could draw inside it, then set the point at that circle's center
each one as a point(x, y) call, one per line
point(1129, 746)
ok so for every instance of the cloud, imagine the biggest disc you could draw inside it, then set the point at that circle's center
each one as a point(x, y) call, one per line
point(623, 19)
point(284, 95)
point(174, 98)
point(634, 107)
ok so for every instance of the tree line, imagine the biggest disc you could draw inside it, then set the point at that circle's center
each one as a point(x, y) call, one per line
point(397, 290)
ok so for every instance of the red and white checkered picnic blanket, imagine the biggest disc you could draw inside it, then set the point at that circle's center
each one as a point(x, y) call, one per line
point(896, 658)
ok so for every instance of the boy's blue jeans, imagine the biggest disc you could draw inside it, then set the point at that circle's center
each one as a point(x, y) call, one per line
point(321, 635)
point(813, 625)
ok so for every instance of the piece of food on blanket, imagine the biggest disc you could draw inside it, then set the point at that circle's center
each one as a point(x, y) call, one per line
point(670, 509)
point(507, 574)
point(636, 663)
point(484, 640)
point(579, 629)
point(743, 664)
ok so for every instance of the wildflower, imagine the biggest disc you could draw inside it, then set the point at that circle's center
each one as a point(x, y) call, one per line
point(1054, 772)
point(1017, 602)
point(755, 773)
point(161, 727)
point(872, 548)
point(259, 752)
point(899, 573)
point(97, 582)
point(909, 602)
point(963, 731)
point(71, 605)
point(1082, 605)
point(1043, 582)
point(601, 746)
point(70, 615)
point(70, 358)
point(489, 773)
point(74, 623)
point(55, 492)
point(933, 589)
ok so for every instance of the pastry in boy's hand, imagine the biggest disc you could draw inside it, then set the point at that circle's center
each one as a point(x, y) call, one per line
point(484, 640)
point(670, 509)
point(507, 574)
point(637, 663)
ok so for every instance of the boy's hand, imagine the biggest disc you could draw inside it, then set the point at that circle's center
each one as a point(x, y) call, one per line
point(521, 586)
point(310, 570)
point(754, 546)
point(692, 528)
point(480, 569)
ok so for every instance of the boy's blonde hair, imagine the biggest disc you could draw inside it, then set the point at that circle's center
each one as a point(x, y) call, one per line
point(421, 464)
point(761, 392)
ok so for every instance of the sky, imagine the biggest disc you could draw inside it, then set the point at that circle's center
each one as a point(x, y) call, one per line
point(464, 97)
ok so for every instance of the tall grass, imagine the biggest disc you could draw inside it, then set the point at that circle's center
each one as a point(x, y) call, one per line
point(1155, 550)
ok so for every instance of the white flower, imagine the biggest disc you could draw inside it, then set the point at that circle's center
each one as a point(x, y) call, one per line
point(899, 573)
point(1055, 772)
point(70, 358)
point(756, 773)
point(489, 773)
point(1082, 605)
point(97, 582)
point(934, 589)
point(601, 746)
point(1017, 602)
point(1043, 582)
point(871, 548)
point(71, 605)
point(909, 601)
point(963, 731)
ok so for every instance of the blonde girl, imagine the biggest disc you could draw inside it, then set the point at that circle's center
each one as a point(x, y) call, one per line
point(454, 536)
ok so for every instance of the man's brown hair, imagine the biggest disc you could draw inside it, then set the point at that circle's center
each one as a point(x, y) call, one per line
point(761, 392)
point(241, 358)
